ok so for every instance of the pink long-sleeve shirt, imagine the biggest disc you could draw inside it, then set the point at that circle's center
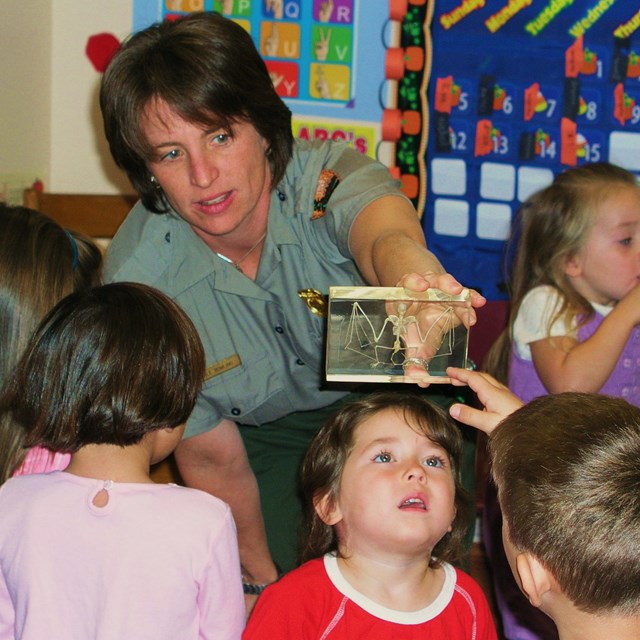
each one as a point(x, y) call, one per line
point(158, 561)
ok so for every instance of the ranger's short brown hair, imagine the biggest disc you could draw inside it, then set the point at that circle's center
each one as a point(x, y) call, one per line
point(207, 69)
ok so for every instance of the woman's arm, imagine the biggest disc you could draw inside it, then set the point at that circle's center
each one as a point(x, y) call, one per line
point(389, 248)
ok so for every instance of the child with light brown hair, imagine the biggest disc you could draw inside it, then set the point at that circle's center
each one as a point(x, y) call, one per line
point(567, 469)
point(40, 263)
point(574, 294)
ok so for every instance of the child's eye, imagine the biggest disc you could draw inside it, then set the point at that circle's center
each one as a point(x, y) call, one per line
point(383, 456)
point(434, 461)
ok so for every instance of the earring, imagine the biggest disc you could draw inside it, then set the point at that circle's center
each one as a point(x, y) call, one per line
point(154, 182)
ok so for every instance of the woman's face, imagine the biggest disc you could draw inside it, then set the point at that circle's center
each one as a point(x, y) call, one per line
point(216, 180)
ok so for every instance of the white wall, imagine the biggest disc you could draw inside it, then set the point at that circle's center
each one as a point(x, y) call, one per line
point(25, 95)
point(80, 159)
point(50, 121)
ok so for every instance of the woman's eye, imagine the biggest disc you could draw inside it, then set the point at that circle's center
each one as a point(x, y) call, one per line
point(383, 457)
point(626, 241)
point(221, 138)
point(171, 155)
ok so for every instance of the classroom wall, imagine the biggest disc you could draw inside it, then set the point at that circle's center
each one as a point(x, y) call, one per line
point(51, 125)
point(80, 159)
point(25, 99)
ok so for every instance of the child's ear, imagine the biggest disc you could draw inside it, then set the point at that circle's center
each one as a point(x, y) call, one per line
point(327, 509)
point(534, 579)
point(573, 266)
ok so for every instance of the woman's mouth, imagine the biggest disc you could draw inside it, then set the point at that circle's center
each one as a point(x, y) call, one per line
point(213, 201)
point(217, 204)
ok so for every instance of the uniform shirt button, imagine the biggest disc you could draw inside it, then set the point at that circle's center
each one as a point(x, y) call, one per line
point(281, 196)
point(235, 411)
point(279, 329)
point(299, 362)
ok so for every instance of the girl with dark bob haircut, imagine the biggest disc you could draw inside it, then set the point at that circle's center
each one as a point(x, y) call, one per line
point(111, 376)
point(107, 366)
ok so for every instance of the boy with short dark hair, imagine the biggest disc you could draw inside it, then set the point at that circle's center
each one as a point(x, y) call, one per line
point(567, 468)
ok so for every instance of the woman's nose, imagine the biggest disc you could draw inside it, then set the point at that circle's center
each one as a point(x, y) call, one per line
point(202, 171)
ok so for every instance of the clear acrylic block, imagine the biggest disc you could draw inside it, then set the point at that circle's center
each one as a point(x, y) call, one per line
point(388, 334)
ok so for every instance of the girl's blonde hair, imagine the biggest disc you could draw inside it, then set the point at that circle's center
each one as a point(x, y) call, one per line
point(40, 263)
point(550, 228)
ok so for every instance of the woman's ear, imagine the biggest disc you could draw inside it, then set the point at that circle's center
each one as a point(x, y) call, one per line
point(534, 579)
point(327, 509)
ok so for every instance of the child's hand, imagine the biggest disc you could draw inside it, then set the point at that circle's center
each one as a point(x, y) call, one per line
point(498, 401)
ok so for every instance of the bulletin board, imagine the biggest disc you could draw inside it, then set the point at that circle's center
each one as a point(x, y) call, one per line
point(520, 90)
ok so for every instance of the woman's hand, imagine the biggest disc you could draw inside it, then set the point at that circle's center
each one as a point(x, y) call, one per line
point(427, 324)
point(498, 401)
point(443, 281)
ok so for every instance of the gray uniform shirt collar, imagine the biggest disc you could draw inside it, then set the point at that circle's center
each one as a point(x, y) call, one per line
point(194, 261)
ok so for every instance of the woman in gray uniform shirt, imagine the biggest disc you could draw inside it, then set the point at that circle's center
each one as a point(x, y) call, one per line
point(247, 229)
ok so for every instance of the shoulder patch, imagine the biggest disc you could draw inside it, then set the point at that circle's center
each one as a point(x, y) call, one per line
point(328, 180)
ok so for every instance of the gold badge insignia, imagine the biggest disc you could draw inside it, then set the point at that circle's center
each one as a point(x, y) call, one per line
point(316, 302)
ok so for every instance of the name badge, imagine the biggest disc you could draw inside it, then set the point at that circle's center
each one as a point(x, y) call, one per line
point(222, 366)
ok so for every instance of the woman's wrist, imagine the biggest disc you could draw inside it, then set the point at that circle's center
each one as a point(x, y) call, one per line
point(253, 587)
